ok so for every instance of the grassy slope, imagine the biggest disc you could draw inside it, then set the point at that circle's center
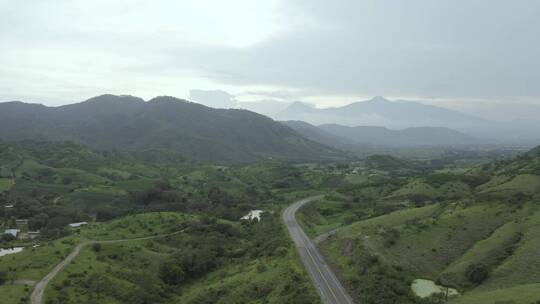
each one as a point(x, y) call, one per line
point(323, 216)
point(34, 263)
point(275, 279)
point(439, 242)
point(245, 283)
point(5, 184)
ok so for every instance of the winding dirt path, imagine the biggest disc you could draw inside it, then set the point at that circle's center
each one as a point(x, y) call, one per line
point(39, 288)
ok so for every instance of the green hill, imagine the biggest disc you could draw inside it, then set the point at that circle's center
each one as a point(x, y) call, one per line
point(478, 234)
point(193, 130)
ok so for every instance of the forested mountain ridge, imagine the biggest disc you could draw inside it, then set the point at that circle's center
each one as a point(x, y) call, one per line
point(129, 123)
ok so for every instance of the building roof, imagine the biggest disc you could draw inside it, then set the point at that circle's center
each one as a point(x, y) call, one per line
point(13, 232)
point(77, 225)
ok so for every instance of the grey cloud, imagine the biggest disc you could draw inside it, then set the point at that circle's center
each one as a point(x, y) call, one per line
point(213, 98)
point(451, 50)
point(479, 48)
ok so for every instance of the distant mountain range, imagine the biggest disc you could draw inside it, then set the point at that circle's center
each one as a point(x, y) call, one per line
point(407, 114)
point(319, 135)
point(354, 138)
point(410, 137)
point(129, 123)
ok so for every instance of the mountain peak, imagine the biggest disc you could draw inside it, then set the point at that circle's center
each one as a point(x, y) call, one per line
point(106, 98)
point(168, 99)
point(379, 98)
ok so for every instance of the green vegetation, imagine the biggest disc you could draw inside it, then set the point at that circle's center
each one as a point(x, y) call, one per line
point(170, 230)
point(209, 262)
point(473, 230)
point(34, 263)
point(5, 184)
point(182, 240)
point(164, 128)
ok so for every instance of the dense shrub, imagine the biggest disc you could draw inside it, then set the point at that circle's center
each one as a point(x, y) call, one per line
point(477, 273)
point(3, 277)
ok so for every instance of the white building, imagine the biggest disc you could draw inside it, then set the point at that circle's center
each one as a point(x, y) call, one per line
point(13, 232)
point(78, 225)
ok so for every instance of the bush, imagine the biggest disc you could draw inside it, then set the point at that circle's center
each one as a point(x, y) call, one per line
point(3, 277)
point(477, 273)
point(96, 247)
point(171, 273)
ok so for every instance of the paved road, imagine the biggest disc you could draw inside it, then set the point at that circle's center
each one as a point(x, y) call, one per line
point(39, 288)
point(329, 288)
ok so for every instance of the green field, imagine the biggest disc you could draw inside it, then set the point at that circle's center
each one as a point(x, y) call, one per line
point(5, 184)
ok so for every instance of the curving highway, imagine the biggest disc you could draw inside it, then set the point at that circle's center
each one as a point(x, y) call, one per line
point(325, 281)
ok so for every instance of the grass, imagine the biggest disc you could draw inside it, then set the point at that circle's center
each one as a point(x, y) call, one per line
point(118, 266)
point(490, 251)
point(523, 265)
point(136, 184)
point(126, 272)
point(255, 281)
point(29, 166)
point(5, 184)
point(525, 183)
point(527, 293)
point(451, 189)
point(355, 179)
point(14, 294)
point(113, 173)
point(135, 226)
point(329, 214)
point(399, 217)
point(440, 241)
point(34, 263)
point(88, 269)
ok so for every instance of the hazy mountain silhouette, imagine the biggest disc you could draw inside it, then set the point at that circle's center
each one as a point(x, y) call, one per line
point(319, 135)
point(130, 123)
point(362, 137)
point(410, 137)
point(408, 114)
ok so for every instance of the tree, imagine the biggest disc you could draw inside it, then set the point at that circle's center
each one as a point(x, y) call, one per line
point(96, 247)
point(477, 273)
point(3, 277)
point(171, 273)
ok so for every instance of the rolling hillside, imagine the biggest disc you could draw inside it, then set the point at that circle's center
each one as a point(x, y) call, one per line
point(364, 138)
point(410, 137)
point(476, 231)
point(129, 123)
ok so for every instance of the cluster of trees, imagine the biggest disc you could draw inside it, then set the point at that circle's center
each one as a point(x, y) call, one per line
point(206, 245)
point(214, 244)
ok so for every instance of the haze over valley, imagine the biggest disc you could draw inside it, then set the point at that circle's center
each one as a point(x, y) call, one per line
point(269, 152)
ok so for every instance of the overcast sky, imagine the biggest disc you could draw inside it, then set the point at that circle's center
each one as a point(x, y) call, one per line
point(478, 55)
